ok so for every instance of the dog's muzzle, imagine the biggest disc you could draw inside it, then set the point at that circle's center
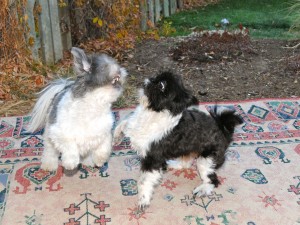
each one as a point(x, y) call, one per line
point(116, 79)
point(116, 82)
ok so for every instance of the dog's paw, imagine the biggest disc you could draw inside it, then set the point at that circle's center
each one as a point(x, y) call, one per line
point(143, 203)
point(69, 165)
point(119, 134)
point(142, 208)
point(203, 189)
point(118, 138)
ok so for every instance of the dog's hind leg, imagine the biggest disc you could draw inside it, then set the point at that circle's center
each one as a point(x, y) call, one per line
point(102, 153)
point(50, 156)
point(206, 168)
point(147, 182)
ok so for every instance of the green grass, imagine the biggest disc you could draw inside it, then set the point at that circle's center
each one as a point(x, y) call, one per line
point(263, 18)
point(295, 15)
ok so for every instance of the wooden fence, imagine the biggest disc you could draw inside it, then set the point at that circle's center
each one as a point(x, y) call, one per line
point(154, 10)
point(49, 25)
point(47, 34)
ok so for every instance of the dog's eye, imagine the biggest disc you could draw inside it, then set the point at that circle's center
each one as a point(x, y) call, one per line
point(162, 85)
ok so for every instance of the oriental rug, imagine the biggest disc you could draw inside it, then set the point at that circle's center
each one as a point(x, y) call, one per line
point(260, 181)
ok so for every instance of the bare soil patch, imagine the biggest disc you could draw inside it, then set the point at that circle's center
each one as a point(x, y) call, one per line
point(219, 69)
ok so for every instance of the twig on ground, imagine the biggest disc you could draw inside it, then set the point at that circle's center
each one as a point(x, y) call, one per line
point(293, 47)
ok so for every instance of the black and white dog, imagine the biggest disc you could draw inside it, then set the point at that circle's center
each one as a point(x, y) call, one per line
point(162, 128)
point(77, 113)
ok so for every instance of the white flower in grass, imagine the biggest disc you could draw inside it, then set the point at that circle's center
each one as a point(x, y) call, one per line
point(225, 22)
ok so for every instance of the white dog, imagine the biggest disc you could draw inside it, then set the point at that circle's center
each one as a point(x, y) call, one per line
point(77, 113)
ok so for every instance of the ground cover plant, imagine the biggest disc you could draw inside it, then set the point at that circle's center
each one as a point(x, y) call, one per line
point(263, 18)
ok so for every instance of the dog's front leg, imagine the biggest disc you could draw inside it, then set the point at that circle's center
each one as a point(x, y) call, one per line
point(70, 155)
point(119, 132)
point(146, 185)
point(102, 153)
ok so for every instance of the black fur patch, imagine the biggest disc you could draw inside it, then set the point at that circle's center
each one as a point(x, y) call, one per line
point(214, 179)
point(166, 91)
point(196, 133)
point(227, 121)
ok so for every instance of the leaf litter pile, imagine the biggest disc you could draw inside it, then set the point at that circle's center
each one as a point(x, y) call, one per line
point(213, 46)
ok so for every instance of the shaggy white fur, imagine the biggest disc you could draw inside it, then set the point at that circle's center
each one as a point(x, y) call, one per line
point(145, 126)
point(81, 128)
point(39, 112)
point(147, 182)
point(205, 167)
point(77, 115)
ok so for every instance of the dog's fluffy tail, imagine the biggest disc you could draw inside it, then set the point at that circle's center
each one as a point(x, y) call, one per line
point(39, 112)
point(226, 118)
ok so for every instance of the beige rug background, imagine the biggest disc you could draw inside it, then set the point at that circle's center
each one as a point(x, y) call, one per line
point(260, 180)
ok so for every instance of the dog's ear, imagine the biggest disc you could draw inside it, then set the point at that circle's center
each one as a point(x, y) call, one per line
point(81, 62)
